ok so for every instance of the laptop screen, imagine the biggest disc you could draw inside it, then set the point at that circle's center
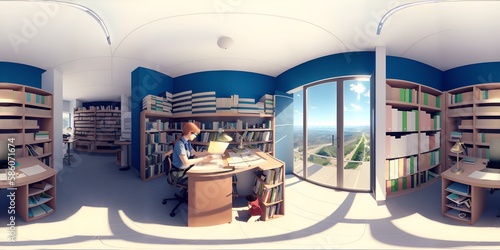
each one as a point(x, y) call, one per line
point(217, 147)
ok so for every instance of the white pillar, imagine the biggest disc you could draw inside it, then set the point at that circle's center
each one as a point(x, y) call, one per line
point(125, 107)
point(52, 82)
point(380, 100)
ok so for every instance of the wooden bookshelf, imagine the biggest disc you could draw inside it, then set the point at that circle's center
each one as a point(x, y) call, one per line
point(167, 127)
point(472, 114)
point(26, 119)
point(96, 130)
point(413, 136)
point(269, 187)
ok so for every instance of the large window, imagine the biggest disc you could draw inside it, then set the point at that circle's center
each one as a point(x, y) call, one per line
point(332, 133)
point(66, 120)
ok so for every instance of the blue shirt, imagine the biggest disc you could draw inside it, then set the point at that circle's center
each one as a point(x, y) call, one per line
point(181, 147)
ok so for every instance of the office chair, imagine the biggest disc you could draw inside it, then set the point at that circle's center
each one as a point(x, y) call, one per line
point(175, 178)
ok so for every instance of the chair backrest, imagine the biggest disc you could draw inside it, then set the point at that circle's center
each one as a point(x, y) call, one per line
point(495, 151)
point(168, 167)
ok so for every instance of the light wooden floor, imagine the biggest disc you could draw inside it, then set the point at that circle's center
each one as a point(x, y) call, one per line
point(99, 207)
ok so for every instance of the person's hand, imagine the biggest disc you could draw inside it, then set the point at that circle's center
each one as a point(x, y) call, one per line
point(207, 158)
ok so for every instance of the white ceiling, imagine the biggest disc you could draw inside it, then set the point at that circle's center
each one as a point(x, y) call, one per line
point(270, 36)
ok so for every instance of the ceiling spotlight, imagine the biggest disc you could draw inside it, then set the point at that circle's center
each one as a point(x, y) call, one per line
point(225, 42)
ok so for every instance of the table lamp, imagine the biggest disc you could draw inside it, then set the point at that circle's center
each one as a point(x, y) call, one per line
point(457, 148)
point(222, 136)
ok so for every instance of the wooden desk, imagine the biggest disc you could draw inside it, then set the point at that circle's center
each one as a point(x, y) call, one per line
point(24, 190)
point(210, 193)
point(478, 190)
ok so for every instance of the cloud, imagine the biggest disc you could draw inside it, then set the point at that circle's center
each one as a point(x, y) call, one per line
point(358, 88)
point(353, 108)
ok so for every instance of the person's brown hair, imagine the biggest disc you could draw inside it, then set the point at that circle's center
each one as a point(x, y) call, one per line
point(189, 127)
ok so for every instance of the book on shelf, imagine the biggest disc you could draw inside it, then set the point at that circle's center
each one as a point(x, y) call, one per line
point(459, 188)
point(36, 211)
point(42, 135)
point(42, 185)
point(456, 198)
point(46, 208)
point(455, 135)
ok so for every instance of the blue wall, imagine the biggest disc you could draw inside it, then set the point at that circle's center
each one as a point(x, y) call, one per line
point(226, 83)
point(414, 71)
point(471, 75)
point(345, 64)
point(144, 82)
point(21, 74)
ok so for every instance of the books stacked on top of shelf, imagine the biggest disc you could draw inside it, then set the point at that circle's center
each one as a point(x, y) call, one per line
point(248, 105)
point(42, 135)
point(156, 103)
point(227, 104)
point(268, 101)
point(204, 102)
point(223, 105)
point(182, 102)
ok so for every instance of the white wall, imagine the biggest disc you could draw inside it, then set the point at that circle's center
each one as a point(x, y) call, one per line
point(52, 82)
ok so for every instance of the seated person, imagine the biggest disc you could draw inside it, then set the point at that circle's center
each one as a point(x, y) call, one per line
point(184, 154)
point(253, 208)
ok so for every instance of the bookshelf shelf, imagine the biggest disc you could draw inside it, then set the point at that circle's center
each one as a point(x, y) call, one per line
point(96, 130)
point(413, 136)
point(24, 112)
point(473, 112)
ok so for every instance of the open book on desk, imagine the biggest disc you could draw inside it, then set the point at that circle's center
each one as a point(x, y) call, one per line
point(215, 165)
point(243, 160)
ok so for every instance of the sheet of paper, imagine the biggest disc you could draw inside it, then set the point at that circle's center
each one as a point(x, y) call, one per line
point(214, 165)
point(243, 160)
point(485, 176)
point(32, 170)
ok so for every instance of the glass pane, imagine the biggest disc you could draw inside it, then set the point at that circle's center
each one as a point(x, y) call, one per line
point(66, 122)
point(321, 160)
point(298, 130)
point(356, 134)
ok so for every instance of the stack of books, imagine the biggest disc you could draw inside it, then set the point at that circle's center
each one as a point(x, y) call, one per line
point(268, 101)
point(455, 135)
point(204, 102)
point(182, 102)
point(156, 103)
point(248, 105)
point(42, 135)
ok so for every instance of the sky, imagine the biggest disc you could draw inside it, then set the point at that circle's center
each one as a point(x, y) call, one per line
point(322, 101)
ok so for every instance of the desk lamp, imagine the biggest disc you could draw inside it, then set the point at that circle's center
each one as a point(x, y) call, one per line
point(222, 136)
point(457, 148)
